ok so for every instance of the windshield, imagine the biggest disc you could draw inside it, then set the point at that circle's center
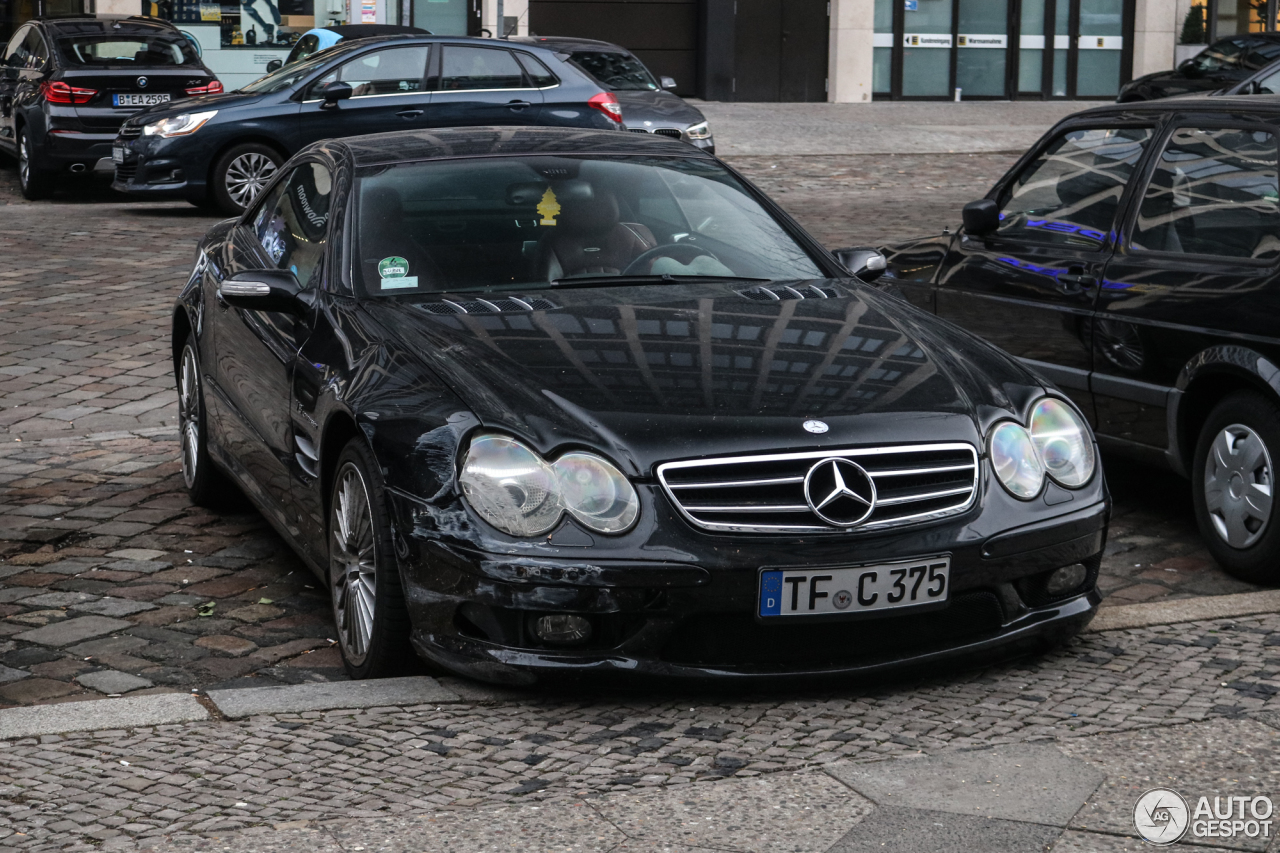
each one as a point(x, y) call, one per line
point(620, 72)
point(1236, 54)
point(284, 78)
point(519, 222)
point(148, 48)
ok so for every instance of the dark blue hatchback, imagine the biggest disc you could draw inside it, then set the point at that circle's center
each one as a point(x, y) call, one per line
point(222, 150)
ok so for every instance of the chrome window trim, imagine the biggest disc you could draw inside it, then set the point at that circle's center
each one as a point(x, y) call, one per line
point(848, 453)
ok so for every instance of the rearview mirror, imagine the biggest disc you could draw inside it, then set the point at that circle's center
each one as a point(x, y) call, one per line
point(334, 92)
point(981, 217)
point(668, 82)
point(263, 290)
point(275, 65)
point(864, 262)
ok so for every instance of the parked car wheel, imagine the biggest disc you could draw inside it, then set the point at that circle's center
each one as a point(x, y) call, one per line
point(241, 173)
point(368, 600)
point(207, 485)
point(1234, 486)
point(35, 183)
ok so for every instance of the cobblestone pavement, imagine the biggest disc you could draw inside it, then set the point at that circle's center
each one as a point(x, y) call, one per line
point(118, 787)
point(111, 582)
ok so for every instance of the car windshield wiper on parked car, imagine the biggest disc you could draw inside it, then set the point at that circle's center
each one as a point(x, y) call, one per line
point(588, 280)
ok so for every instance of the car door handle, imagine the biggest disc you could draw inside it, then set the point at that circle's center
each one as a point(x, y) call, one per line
point(409, 113)
point(518, 105)
point(1073, 283)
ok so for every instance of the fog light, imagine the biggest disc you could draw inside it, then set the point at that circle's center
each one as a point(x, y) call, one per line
point(562, 629)
point(1066, 579)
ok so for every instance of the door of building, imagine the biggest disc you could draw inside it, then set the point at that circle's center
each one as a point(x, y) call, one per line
point(780, 50)
point(928, 49)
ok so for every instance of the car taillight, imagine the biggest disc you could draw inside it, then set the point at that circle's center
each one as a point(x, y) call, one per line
point(58, 92)
point(608, 104)
point(214, 88)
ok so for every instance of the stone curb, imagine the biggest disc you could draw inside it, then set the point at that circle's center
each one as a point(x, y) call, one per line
point(1185, 610)
point(101, 715)
point(293, 699)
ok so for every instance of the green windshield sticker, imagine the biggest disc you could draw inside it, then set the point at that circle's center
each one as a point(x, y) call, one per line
point(393, 267)
point(398, 283)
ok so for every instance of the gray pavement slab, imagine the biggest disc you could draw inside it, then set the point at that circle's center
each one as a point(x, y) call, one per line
point(779, 812)
point(112, 681)
point(100, 715)
point(1186, 610)
point(1033, 782)
point(255, 701)
point(893, 829)
point(73, 630)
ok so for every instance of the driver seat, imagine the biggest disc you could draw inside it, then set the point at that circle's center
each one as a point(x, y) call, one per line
point(589, 239)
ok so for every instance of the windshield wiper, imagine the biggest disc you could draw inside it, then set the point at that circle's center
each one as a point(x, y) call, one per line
point(588, 280)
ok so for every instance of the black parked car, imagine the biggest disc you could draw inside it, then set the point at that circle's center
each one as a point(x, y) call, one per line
point(1222, 65)
point(1133, 257)
point(223, 150)
point(549, 401)
point(67, 84)
point(646, 102)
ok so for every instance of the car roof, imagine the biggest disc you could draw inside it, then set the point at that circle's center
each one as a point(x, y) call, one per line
point(462, 142)
point(133, 20)
point(567, 43)
point(360, 31)
point(1183, 104)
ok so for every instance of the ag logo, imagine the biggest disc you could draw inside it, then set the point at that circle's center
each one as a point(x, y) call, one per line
point(1161, 816)
point(840, 492)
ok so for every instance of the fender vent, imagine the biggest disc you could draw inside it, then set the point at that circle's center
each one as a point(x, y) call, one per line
point(781, 293)
point(501, 305)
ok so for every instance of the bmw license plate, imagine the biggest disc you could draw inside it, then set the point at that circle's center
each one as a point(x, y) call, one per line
point(147, 100)
point(117, 153)
point(830, 592)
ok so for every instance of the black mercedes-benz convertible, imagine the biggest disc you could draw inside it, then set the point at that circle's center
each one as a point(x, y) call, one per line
point(539, 402)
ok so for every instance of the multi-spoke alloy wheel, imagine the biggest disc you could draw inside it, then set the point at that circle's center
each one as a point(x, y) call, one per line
point(353, 566)
point(364, 576)
point(189, 415)
point(1237, 485)
point(34, 183)
point(24, 161)
point(247, 175)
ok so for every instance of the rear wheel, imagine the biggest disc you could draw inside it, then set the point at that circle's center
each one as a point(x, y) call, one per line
point(35, 183)
point(241, 174)
point(207, 486)
point(1235, 484)
point(364, 582)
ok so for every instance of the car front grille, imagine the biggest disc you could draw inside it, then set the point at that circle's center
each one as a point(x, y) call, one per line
point(672, 132)
point(130, 131)
point(126, 171)
point(766, 494)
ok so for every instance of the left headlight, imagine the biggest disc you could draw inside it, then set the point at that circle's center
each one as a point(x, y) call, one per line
point(518, 492)
point(179, 125)
point(701, 130)
point(1063, 442)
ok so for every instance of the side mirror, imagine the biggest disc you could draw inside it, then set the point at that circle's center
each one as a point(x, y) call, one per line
point(334, 92)
point(275, 65)
point(864, 262)
point(981, 217)
point(668, 82)
point(263, 290)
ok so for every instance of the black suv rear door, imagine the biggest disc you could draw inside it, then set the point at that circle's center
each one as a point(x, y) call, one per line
point(1030, 287)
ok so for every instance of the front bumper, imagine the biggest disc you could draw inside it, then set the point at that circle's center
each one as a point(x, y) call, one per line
point(472, 612)
point(154, 170)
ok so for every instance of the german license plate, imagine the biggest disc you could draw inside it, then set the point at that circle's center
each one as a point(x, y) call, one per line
point(117, 153)
point(830, 592)
point(146, 100)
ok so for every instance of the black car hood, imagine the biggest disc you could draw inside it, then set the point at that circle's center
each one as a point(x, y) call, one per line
point(224, 101)
point(653, 373)
point(659, 106)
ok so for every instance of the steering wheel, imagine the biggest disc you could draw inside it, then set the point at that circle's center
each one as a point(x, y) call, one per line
point(682, 252)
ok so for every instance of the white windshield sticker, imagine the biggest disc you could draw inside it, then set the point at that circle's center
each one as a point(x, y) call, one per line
point(397, 283)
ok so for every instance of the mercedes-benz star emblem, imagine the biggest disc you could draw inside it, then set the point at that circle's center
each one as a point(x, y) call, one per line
point(840, 492)
point(815, 427)
point(142, 82)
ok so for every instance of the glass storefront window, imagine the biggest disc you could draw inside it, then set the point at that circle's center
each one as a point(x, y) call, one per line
point(1234, 17)
point(882, 50)
point(1031, 47)
point(1100, 48)
point(981, 48)
point(926, 50)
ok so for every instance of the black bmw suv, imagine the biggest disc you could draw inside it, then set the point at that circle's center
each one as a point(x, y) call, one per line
point(67, 84)
point(224, 149)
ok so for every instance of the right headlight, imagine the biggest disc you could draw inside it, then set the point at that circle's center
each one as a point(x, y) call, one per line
point(513, 488)
point(701, 130)
point(1057, 445)
point(179, 125)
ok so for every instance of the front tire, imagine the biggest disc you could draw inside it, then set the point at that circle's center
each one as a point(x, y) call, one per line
point(1234, 478)
point(364, 582)
point(207, 486)
point(35, 184)
point(241, 174)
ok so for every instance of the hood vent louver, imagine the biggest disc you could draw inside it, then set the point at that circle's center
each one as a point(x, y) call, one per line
point(499, 305)
point(782, 293)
